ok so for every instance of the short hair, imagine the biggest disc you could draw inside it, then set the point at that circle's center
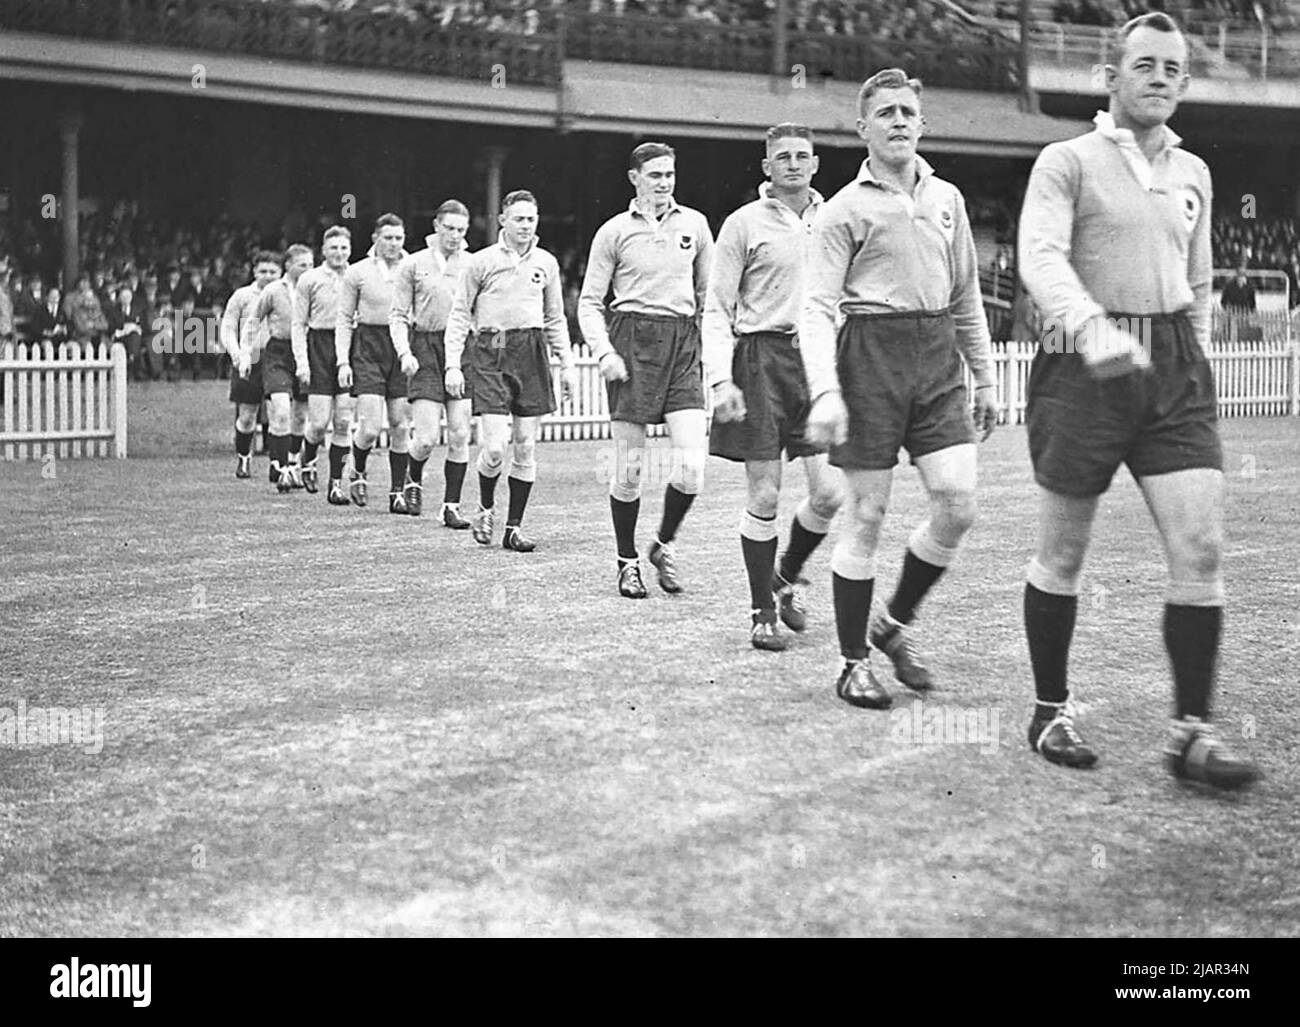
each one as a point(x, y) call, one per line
point(518, 196)
point(334, 231)
point(1157, 20)
point(265, 257)
point(388, 221)
point(889, 78)
point(297, 250)
point(451, 207)
point(648, 152)
point(788, 130)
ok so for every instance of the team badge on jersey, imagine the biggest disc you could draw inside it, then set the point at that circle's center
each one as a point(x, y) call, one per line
point(1191, 207)
point(538, 277)
point(686, 242)
point(945, 219)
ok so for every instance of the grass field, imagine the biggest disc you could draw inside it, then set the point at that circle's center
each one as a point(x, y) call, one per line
point(333, 721)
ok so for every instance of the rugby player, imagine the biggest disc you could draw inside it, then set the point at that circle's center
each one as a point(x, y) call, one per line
point(654, 258)
point(246, 379)
point(760, 392)
point(422, 298)
point(329, 399)
point(893, 253)
point(284, 381)
point(368, 363)
point(1115, 251)
point(511, 293)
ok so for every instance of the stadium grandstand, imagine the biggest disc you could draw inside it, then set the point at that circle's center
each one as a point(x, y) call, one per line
point(181, 135)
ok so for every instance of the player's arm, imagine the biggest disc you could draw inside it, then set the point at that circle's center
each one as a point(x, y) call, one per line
point(717, 330)
point(256, 314)
point(1200, 266)
point(298, 321)
point(1046, 234)
point(595, 287)
point(461, 318)
point(830, 254)
point(349, 293)
point(399, 312)
point(555, 324)
point(702, 263)
point(231, 322)
point(966, 302)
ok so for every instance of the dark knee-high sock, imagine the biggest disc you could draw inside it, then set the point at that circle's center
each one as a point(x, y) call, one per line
point(625, 517)
point(359, 458)
point(1049, 628)
point(852, 609)
point(675, 506)
point(915, 580)
point(396, 470)
point(519, 492)
point(295, 445)
point(1192, 637)
point(243, 442)
point(454, 473)
point(758, 546)
point(338, 457)
point(415, 470)
point(802, 544)
point(487, 490)
point(280, 450)
point(309, 450)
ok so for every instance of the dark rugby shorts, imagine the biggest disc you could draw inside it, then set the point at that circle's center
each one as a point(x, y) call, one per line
point(768, 369)
point(278, 370)
point(509, 372)
point(376, 371)
point(665, 374)
point(428, 382)
point(246, 391)
point(904, 385)
point(323, 362)
point(1156, 421)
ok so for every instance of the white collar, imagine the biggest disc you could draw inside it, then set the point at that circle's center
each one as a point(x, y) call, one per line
point(1105, 123)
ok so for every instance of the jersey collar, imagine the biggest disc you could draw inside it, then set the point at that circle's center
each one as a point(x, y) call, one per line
point(634, 209)
point(1105, 123)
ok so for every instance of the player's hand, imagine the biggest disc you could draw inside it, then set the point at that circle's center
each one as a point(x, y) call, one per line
point(410, 365)
point(245, 365)
point(612, 368)
point(454, 382)
point(1109, 351)
point(304, 377)
point(828, 421)
point(728, 403)
point(986, 410)
point(569, 382)
point(345, 376)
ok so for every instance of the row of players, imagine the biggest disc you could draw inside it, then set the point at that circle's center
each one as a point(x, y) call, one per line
point(839, 325)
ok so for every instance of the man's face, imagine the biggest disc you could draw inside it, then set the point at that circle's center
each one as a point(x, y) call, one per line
point(389, 241)
point(1151, 78)
point(519, 223)
point(450, 230)
point(125, 296)
point(337, 250)
point(655, 180)
point(300, 263)
point(790, 162)
point(891, 125)
point(265, 273)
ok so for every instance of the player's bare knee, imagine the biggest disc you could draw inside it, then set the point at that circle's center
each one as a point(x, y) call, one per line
point(458, 443)
point(1198, 554)
point(492, 453)
point(763, 498)
point(826, 499)
point(1061, 563)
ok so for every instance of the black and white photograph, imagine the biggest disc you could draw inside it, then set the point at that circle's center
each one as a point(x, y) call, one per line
point(651, 469)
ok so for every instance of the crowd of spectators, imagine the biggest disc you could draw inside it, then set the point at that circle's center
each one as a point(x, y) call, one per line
point(1259, 245)
point(1196, 14)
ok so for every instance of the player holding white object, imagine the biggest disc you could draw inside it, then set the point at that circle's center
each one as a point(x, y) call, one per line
point(422, 299)
point(760, 391)
point(511, 293)
point(246, 379)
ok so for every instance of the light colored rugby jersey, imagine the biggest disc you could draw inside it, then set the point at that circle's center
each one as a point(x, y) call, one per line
point(877, 249)
point(1103, 230)
point(365, 297)
point(655, 266)
point(502, 289)
point(424, 291)
point(317, 306)
point(756, 277)
point(238, 325)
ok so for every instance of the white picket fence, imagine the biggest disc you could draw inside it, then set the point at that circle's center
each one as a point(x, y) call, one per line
point(64, 401)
